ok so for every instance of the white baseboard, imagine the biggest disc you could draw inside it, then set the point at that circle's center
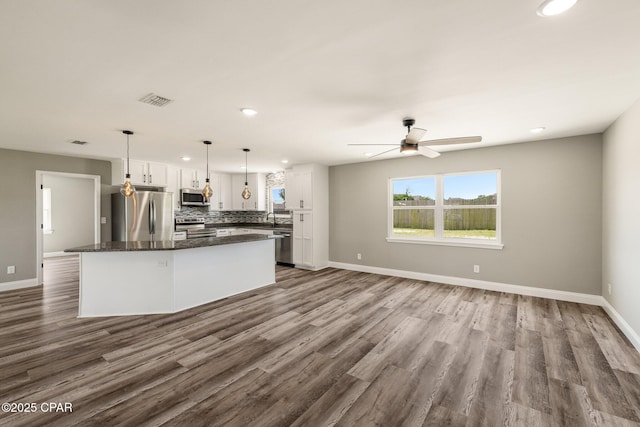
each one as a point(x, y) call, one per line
point(18, 284)
point(479, 284)
point(505, 287)
point(622, 324)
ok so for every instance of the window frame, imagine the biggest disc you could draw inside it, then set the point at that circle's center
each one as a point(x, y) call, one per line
point(439, 209)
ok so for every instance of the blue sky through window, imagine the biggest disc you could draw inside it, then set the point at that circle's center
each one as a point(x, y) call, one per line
point(470, 186)
point(275, 196)
point(463, 186)
point(425, 187)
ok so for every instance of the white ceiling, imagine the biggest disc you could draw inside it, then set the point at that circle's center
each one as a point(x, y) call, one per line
point(322, 74)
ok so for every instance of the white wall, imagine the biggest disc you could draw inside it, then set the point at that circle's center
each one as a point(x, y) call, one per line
point(72, 213)
point(621, 216)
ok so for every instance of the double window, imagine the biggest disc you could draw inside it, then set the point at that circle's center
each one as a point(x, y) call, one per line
point(458, 209)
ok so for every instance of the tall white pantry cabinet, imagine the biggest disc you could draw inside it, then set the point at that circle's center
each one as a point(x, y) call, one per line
point(307, 195)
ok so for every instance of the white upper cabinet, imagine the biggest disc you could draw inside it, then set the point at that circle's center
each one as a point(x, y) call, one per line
point(257, 186)
point(221, 185)
point(157, 174)
point(173, 185)
point(299, 189)
point(142, 173)
point(192, 178)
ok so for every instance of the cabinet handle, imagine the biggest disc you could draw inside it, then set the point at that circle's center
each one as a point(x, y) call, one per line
point(301, 217)
point(144, 177)
point(301, 204)
point(150, 179)
point(220, 205)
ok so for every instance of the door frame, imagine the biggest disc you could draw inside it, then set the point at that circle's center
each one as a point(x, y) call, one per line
point(40, 232)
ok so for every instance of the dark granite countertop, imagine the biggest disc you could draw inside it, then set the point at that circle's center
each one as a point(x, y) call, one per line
point(259, 225)
point(164, 245)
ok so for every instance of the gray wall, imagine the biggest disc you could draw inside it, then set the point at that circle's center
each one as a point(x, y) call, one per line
point(621, 207)
point(551, 215)
point(72, 213)
point(18, 204)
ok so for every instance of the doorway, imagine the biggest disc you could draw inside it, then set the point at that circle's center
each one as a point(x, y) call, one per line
point(67, 213)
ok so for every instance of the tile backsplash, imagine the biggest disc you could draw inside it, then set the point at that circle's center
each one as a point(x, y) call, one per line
point(275, 179)
point(228, 216)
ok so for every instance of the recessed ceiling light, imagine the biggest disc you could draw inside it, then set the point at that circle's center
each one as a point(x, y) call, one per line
point(186, 158)
point(537, 130)
point(285, 161)
point(555, 7)
point(249, 112)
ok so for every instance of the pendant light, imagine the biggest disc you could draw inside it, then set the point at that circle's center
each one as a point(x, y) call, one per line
point(246, 194)
point(207, 191)
point(127, 189)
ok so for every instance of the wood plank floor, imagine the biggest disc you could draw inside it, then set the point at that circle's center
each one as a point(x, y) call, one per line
point(324, 348)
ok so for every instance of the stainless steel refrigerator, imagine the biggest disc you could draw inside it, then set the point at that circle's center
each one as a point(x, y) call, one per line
point(146, 216)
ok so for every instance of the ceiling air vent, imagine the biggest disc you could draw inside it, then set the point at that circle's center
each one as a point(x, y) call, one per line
point(153, 99)
point(79, 142)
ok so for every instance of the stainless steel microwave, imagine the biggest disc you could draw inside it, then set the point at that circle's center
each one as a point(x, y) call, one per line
point(192, 197)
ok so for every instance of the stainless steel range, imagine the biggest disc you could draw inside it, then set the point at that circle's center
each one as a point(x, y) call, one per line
point(194, 226)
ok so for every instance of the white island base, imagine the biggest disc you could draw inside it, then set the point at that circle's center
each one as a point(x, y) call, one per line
point(114, 283)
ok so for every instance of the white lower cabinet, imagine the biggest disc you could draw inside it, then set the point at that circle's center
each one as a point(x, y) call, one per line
point(303, 239)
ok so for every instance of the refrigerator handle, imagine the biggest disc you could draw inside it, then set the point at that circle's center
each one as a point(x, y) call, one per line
point(152, 216)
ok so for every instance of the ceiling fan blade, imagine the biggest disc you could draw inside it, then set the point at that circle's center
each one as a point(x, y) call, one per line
point(415, 135)
point(373, 144)
point(450, 141)
point(384, 152)
point(428, 152)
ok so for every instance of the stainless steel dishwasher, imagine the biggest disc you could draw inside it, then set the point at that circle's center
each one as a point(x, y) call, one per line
point(284, 252)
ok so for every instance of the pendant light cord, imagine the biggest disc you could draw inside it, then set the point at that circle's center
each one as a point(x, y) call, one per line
point(245, 168)
point(128, 154)
point(207, 161)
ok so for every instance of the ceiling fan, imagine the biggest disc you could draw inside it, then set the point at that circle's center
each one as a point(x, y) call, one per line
point(412, 142)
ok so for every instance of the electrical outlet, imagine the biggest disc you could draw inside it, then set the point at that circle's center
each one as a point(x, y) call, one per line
point(359, 256)
point(11, 269)
point(476, 268)
point(609, 288)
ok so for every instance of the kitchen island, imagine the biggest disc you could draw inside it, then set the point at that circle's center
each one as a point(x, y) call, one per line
point(127, 278)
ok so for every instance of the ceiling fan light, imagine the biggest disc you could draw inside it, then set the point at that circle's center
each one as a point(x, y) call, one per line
point(408, 148)
point(555, 7)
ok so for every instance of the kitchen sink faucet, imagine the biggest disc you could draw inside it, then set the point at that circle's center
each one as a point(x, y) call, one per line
point(274, 218)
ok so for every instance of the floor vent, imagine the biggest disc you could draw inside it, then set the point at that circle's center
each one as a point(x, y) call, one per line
point(153, 99)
